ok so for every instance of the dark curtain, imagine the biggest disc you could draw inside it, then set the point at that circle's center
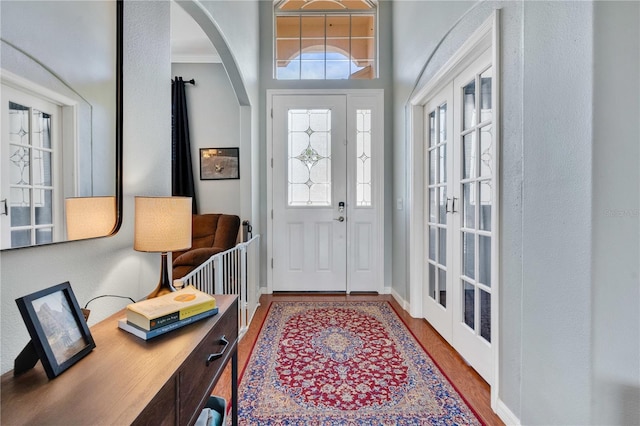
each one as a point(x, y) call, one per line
point(182, 183)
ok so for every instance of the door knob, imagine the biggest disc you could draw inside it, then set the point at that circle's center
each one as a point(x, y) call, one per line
point(340, 219)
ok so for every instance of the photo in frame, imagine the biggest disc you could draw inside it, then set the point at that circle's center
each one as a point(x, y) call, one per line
point(59, 333)
point(219, 163)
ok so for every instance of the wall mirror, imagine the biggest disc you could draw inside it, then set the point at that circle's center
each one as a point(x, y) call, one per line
point(61, 122)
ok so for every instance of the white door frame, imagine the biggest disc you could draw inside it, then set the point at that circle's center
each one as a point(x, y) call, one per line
point(487, 36)
point(357, 98)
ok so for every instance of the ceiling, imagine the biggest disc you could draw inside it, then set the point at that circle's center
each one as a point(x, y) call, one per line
point(188, 42)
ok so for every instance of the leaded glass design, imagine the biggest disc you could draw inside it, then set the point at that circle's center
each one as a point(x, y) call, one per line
point(30, 175)
point(363, 155)
point(309, 157)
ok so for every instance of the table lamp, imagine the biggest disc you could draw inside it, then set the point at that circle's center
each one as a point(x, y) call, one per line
point(90, 217)
point(162, 224)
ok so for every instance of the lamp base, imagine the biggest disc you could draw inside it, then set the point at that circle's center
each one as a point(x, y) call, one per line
point(164, 285)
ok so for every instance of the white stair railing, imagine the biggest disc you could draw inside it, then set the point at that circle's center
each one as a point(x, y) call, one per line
point(235, 271)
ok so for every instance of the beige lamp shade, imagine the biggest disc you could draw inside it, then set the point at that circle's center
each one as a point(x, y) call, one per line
point(89, 217)
point(162, 224)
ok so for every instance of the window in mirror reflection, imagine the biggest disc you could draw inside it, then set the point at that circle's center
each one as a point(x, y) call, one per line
point(29, 183)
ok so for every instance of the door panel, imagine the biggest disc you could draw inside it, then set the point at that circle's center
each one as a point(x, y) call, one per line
point(438, 153)
point(309, 175)
point(327, 179)
point(475, 181)
point(459, 205)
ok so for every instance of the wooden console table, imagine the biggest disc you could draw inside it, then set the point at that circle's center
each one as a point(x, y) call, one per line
point(126, 380)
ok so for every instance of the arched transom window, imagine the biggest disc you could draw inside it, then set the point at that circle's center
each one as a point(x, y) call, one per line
point(325, 39)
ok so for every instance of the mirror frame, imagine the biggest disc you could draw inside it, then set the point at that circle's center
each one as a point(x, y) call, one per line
point(119, 114)
point(118, 133)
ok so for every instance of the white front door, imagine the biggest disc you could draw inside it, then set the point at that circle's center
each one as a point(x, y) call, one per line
point(309, 175)
point(326, 192)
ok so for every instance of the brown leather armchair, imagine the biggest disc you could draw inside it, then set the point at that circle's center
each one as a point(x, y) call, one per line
point(211, 234)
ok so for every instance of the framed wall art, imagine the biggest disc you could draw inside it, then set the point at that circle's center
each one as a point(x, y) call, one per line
point(219, 163)
point(59, 333)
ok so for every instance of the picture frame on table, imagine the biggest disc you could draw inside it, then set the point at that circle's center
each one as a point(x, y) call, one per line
point(60, 336)
point(219, 163)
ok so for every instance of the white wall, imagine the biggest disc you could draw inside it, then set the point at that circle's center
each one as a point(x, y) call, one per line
point(108, 265)
point(556, 321)
point(616, 215)
point(233, 29)
point(214, 122)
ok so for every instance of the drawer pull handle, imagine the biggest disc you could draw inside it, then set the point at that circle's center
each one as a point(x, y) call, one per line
point(213, 357)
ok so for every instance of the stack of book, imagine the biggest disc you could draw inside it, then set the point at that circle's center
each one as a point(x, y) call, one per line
point(153, 317)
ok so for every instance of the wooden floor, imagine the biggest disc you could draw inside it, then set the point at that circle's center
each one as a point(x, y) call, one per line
point(473, 388)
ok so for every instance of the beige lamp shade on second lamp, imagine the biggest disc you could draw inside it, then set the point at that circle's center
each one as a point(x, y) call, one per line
point(90, 217)
point(162, 224)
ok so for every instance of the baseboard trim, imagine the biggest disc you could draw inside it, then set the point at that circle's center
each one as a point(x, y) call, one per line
point(506, 415)
point(403, 303)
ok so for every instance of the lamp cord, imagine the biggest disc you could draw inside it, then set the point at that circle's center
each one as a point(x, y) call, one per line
point(108, 295)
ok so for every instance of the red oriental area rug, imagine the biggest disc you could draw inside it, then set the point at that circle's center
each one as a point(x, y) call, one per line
point(344, 363)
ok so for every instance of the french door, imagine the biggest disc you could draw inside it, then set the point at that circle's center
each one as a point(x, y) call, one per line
point(326, 192)
point(460, 204)
point(30, 196)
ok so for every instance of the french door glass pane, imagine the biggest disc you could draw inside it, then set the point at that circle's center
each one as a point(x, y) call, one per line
point(443, 123)
point(433, 210)
point(432, 242)
point(442, 287)
point(20, 238)
point(432, 166)
point(432, 129)
point(485, 95)
point(432, 281)
point(485, 205)
point(485, 315)
point(20, 206)
point(468, 205)
point(44, 235)
point(19, 129)
point(468, 291)
point(20, 165)
point(486, 158)
point(442, 246)
point(468, 254)
point(443, 164)
point(443, 205)
point(309, 157)
point(42, 167)
point(42, 202)
point(41, 129)
point(469, 155)
point(484, 260)
point(469, 101)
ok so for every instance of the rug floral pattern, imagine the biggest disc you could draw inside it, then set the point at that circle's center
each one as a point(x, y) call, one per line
point(344, 363)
